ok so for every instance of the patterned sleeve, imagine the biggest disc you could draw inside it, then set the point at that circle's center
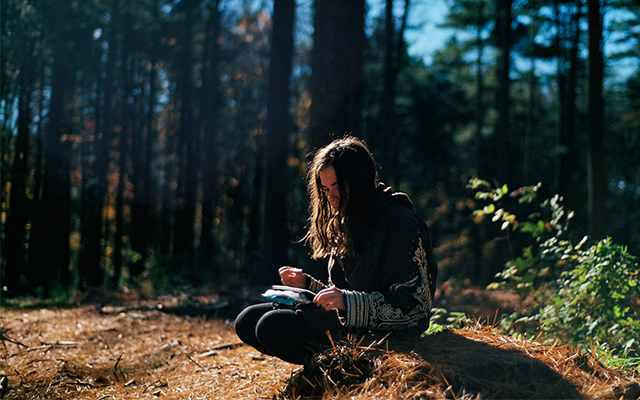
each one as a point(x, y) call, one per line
point(313, 284)
point(402, 305)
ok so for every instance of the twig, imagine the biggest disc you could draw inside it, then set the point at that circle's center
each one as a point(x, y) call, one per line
point(45, 347)
point(155, 385)
point(135, 307)
point(107, 344)
point(227, 346)
point(195, 362)
point(115, 367)
point(208, 353)
point(4, 337)
point(62, 343)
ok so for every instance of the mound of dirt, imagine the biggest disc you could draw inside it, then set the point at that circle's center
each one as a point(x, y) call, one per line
point(470, 363)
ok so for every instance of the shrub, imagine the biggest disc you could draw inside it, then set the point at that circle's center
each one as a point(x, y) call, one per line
point(584, 294)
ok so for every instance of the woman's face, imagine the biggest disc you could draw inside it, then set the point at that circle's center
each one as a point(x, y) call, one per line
point(329, 185)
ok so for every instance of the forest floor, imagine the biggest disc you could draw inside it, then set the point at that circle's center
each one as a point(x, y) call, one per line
point(184, 347)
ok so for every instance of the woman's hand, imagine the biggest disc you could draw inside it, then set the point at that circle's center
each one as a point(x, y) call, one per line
point(292, 276)
point(330, 298)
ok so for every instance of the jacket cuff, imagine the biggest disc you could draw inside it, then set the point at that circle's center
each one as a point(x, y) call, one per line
point(313, 284)
point(356, 314)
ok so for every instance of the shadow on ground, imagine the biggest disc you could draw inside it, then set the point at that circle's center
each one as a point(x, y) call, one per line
point(470, 363)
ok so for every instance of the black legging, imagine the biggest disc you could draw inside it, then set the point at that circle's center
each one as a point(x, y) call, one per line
point(282, 333)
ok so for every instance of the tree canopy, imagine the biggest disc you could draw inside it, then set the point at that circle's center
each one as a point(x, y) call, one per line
point(167, 141)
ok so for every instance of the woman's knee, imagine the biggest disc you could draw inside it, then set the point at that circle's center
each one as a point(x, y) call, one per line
point(285, 334)
point(282, 326)
point(246, 321)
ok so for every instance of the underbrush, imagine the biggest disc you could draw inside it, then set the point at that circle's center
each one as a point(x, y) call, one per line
point(585, 293)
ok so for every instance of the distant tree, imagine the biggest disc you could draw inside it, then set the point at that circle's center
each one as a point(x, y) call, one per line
point(119, 219)
point(622, 119)
point(189, 144)
point(531, 124)
point(15, 244)
point(501, 160)
point(275, 233)
point(475, 16)
point(49, 251)
point(337, 70)
point(568, 17)
point(596, 165)
point(93, 224)
point(211, 104)
point(143, 143)
point(248, 63)
point(395, 58)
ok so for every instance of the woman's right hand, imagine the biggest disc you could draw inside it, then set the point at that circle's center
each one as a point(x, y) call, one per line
point(292, 276)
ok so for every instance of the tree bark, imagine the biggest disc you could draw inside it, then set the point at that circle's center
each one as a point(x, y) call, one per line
point(568, 185)
point(91, 272)
point(49, 245)
point(596, 166)
point(480, 108)
point(145, 191)
point(502, 136)
point(275, 234)
point(210, 105)
point(385, 152)
point(188, 145)
point(337, 70)
point(15, 244)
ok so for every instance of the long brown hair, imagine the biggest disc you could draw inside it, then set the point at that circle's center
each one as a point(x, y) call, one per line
point(342, 231)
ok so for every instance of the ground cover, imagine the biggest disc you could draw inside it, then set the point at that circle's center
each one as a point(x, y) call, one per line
point(141, 350)
point(185, 348)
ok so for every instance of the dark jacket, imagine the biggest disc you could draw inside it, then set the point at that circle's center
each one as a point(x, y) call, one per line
point(391, 284)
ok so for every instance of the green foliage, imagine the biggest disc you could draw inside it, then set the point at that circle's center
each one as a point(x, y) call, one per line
point(598, 298)
point(442, 319)
point(584, 294)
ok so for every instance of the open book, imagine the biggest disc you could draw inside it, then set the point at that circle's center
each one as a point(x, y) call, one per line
point(289, 295)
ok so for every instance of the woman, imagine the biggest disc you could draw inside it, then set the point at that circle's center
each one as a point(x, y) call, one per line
point(381, 270)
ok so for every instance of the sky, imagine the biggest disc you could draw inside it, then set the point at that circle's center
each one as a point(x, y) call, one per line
point(424, 36)
point(427, 37)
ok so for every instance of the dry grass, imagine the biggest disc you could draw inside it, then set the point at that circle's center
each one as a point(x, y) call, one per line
point(80, 353)
point(143, 352)
point(470, 363)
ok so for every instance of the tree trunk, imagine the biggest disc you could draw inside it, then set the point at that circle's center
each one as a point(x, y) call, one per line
point(167, 212)
point(210, 105)
point(479, 109)
point(15, 244)
point(49, 245)
point(502, 137)
point(91, 272)
point(568, 67)
point(119, 217)
point(143, 220)
point(188, 146)
point(385, 151)
point(275, 234)
point(529, 155)
point(596, 167)
point(337, 76)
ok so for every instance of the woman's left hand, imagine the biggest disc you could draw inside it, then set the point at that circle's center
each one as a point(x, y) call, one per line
point(330, 298)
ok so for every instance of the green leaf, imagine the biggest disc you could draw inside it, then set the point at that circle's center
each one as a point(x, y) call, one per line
point(504, 190)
